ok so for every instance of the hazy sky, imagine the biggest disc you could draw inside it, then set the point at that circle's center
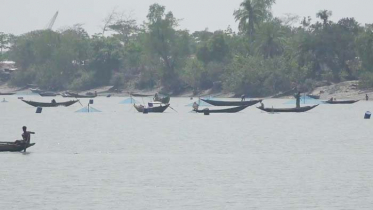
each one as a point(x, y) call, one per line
point(20, 16)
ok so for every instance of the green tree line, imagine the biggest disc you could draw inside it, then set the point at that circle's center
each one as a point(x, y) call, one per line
point(265, 56)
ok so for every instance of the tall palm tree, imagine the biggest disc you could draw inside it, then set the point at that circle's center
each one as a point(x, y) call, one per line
point(251, 13)
point(271, 39)
point(324, 15)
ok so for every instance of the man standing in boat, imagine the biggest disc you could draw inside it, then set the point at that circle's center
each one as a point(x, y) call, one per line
point(243, 97)
point(156, 97)
point(26, 136)
point(297, 97)
point(195, 106)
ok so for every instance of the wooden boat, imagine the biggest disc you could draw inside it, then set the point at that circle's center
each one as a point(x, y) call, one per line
point(43, 104)
point(296, 110)
point(7, 94)
point(12, 147)
point(75, 95)
point(140, 95)
point(48, 94)
point(230, 110)
point(341, 102)
point(231, 103)
point(314, 96)
point(36, 90)
point(157, 109)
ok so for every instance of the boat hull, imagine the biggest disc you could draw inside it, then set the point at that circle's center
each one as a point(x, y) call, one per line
point(314, 96)
point(159, 109)
point(231, 103)
point(74, 95)
point(140, 95)
point(341, 102)
point(10, 147)
point(48, 94)
point(288, 110)
point(41, 104)
point(230, 110)
point(7, 94)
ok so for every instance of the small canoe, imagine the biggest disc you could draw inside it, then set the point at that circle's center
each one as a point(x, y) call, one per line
point(230, 110)
point(295, 110)
point(48, 94)
point(158, 109)
point(140, 95)
point(7, 94)
point(36, 90)
point(314, 96)
point(74, 95)
point(231, 103)
point(341, 102)
point(11, 147)
point(43, 104)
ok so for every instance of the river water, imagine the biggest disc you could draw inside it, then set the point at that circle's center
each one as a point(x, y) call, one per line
point(120, 159)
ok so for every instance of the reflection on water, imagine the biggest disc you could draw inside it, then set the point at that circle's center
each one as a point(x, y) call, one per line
point(121, 159)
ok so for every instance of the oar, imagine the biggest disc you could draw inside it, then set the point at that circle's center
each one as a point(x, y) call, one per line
point(79, 101)
point(173, 109)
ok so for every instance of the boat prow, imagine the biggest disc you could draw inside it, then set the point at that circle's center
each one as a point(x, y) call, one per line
point(11, 147)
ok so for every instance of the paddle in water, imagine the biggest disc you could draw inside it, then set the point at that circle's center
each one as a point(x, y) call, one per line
point(173, 109)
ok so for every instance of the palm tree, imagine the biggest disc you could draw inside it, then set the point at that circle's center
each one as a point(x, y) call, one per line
point(271, 39)
point(251, 13)
point(324, 15)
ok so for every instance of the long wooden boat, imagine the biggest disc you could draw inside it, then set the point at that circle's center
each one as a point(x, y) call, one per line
point(231, 103)
point(12, 147)
point(296, 110)
point(341, 102)
point(157, 109)
point(75, 95)
point(43, 104)
point(36, 90)
point(230, 110)
point(314, 96)
point(7, 94)
point(48, 94)
point(140, 95)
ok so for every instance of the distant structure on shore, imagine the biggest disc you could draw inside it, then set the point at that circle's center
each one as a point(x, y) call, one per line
point(51, 22)
point(6, 69)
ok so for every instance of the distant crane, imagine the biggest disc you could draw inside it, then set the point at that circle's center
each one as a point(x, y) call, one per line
point(51, 22)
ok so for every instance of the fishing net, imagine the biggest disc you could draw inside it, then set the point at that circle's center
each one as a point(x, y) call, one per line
point(88, 110)
point(129, 101)
point(305, 100)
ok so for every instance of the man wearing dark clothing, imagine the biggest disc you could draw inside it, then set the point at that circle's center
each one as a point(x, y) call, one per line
point(297, 97)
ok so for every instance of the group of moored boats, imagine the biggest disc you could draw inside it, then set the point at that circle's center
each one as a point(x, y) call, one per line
point(161, 104)
point(241, 105)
